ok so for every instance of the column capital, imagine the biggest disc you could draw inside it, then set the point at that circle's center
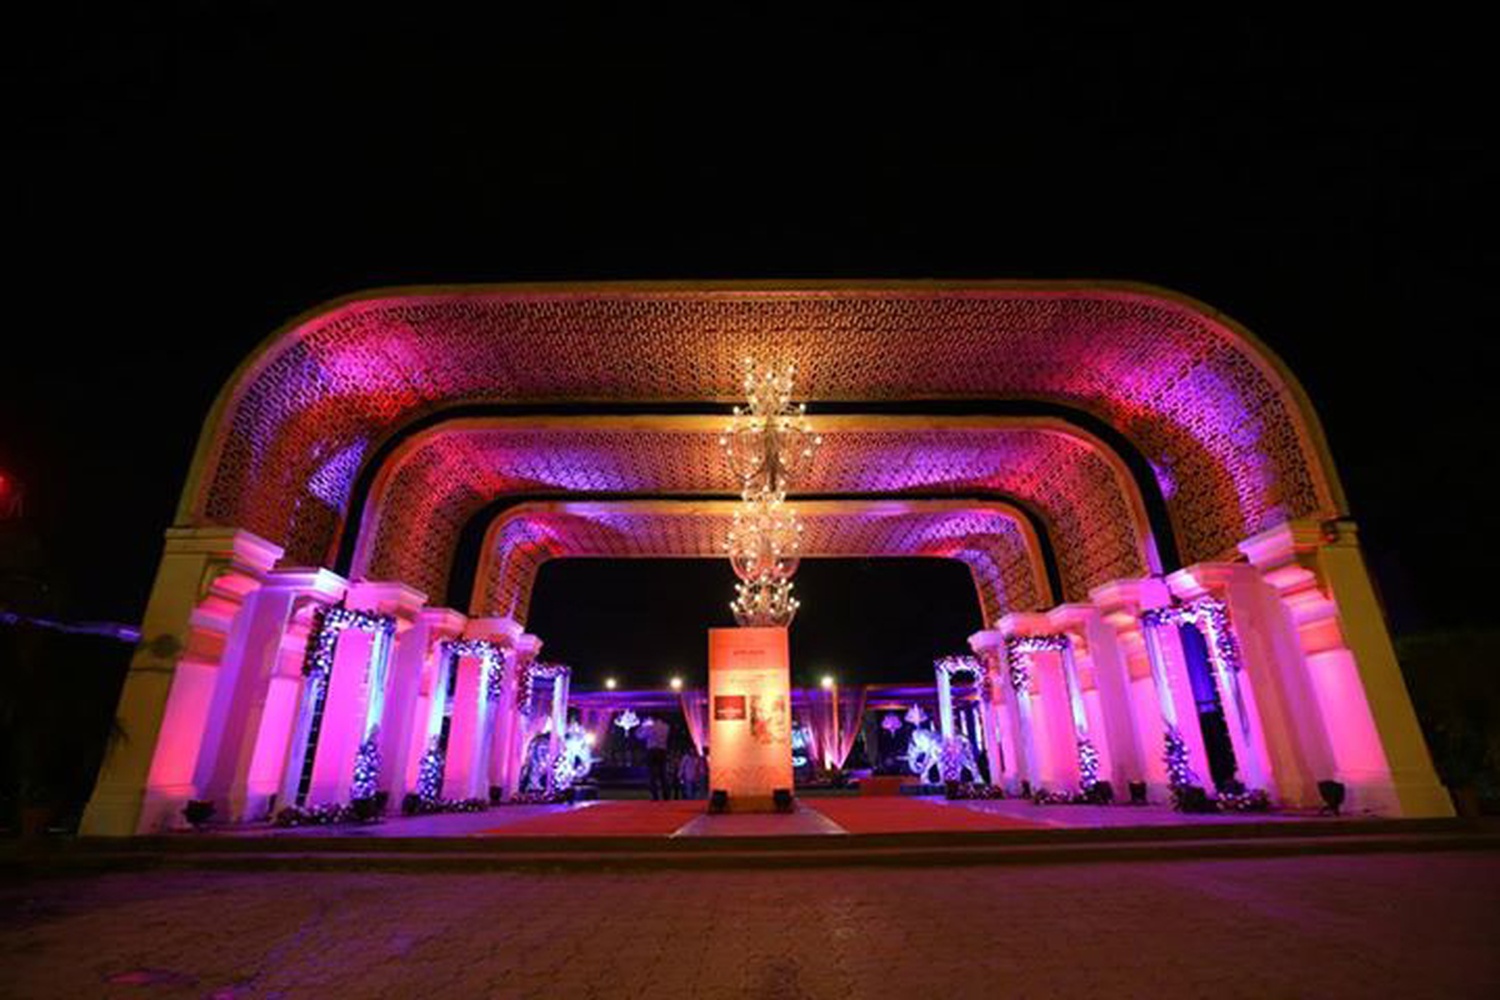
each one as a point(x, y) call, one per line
point(322, 585)
point(442, 623)
point(234, 561)
point(387, 598)
point(1122, 601)
point(244, 549)
point(1205, 579)
point(1025, 623)
point(1072, 617)
point(987, 640)
point(528, 646)
point(504, 631)
point(1287, 554)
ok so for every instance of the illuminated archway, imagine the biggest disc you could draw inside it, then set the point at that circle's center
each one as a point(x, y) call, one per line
point(1095, 452)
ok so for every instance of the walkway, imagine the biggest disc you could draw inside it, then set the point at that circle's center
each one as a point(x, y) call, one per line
point(1361, 926)
point(815, 815)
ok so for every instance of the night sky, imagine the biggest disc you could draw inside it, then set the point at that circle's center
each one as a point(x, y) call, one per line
point(191, 178)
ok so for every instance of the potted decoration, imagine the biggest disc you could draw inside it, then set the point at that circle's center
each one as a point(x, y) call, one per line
point(197, 813)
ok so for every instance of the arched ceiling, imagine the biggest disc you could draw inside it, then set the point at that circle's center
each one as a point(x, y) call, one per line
point(429, 489)
point(1232, 442)
point(992, 539)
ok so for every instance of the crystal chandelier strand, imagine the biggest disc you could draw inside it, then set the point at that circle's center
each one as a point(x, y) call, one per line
point(768, 445)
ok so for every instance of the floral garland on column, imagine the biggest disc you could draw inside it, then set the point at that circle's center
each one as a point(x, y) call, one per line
point(1210, 614)
point(956, 753)
point(1017, 658)
point(322, 645)
point(1017, 654)
point(536, 671)
point(328, 623)
point(489, 654)
point(971, 665)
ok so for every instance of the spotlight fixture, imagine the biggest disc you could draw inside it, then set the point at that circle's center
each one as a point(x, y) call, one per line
point(609, 683)
point(676, 683)
point(828, 681)
point(1333, 796)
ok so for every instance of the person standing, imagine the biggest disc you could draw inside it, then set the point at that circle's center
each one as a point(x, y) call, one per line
point(674, 775)
point(655, 737)
point(691, 772)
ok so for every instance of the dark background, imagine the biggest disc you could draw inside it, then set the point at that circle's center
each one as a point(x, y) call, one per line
point(191, 177)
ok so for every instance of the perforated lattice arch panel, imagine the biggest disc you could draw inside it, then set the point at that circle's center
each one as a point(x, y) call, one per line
point(1233, 446)
point(992, 541)
point(433, 488)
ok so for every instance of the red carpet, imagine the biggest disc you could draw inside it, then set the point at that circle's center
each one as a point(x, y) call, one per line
point(901, 814)
point(629, 818)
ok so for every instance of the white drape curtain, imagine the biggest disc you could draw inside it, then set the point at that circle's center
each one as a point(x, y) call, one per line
point(851, 712)
point(695, 711)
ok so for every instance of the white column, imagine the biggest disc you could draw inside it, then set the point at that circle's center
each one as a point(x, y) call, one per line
point(1236, 693)
point(1120, 752)
point(528, 648)
point(945, 704)
point(1350, 665)
point(999, 738)
point(516, 650)
point(201, 585)
point(227, 772)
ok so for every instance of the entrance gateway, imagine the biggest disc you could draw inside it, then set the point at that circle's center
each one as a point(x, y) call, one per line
point(1141, 490)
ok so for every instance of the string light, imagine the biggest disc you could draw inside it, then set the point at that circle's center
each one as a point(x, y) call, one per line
point(1088, 764)
point(1179, 773)
point(430, 772)
point(366, 770)
point(328, 623)
point(538, 671)
point(490, 658)
point(574, 760)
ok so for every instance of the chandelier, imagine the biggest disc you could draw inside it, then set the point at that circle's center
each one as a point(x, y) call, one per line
point(768, 445)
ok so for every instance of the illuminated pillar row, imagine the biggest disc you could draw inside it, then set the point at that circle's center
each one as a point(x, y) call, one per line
point(221, 703)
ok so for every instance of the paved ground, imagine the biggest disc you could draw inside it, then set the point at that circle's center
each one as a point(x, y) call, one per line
point(808, 821)
point(1365, 926)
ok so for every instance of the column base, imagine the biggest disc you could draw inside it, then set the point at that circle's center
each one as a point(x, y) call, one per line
point(1407, 800)
point(127, 812)
point(112, 813)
